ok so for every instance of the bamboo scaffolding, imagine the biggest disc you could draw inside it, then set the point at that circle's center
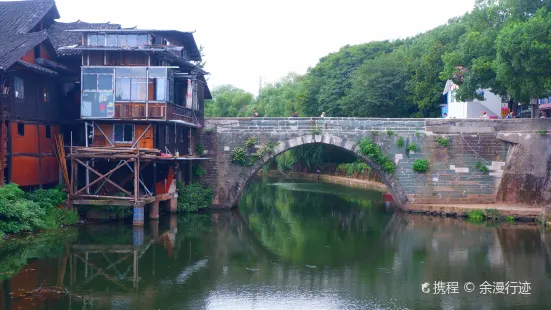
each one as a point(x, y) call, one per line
point(59, 150)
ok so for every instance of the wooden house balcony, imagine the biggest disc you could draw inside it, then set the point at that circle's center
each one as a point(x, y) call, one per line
point(155, 111)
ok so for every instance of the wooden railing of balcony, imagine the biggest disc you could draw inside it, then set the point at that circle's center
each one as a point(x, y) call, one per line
point(176, 112)
point(135, 110)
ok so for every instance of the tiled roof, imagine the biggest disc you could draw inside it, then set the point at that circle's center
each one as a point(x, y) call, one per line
point(16, 46)
point(19, 17)
point(36, 67)
point(51, 64)
point(187, 37)
point(61, 36)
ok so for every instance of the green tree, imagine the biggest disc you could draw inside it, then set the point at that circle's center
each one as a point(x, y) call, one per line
point(379, 89)
point(280, 98)
point(229, 101)
point(523, 57)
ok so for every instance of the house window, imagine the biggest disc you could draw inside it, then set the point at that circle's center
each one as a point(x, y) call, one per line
point(45, 94)
point(123, 133)
point(19, 87)
point(48, 132)
point(21, 129)
point(97, 92)
point(167, 134)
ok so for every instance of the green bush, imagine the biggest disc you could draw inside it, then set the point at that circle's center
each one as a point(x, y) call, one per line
point(400, 142)
point(542, 132)
point(199, 171)
point(475, 215)
point(240, 156)
point(483, 168)
point(421, 165)
point(411, 147)
point(443, 142)
point(20, 211)
point(354, 168)
point(193, 197)
point(199, 149)
point(371, 149)
point(250, 142)
point(390, 133)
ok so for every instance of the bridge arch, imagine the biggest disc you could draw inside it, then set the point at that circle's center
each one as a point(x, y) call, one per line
point(231, 194)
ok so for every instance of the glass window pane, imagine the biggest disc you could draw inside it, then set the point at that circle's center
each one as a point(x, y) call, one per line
point(160, 89)
point(128, 133)
point(111, 40)
point(118, 133)
point(157, 72)
point(101, 40)
point(142, 40)
point(132, 40)
point(87, 101)
point(105, 82)
point(122, 40)
point(89, 81)
point(123, 89)
point(138, 89)
point(124, 72)
point(139, 72)
point(92, 40)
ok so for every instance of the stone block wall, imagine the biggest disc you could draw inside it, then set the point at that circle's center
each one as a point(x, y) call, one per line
point(452, 177)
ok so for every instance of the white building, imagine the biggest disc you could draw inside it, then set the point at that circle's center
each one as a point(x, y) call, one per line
point(471, 109)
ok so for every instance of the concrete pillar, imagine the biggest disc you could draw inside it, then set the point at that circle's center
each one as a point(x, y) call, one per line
point(154, 210)
point(137, 235)
point(138, 216)
point(173, 204)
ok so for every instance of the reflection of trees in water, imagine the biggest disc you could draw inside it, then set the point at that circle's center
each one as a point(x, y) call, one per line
point(312, 228)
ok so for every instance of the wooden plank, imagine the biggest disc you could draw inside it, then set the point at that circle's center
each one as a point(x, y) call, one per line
point(100, 247)
point(105, 197)
point(105, 202)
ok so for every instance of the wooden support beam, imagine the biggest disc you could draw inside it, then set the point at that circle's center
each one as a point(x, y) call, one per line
point(104, 135)
point(106, 178)
point(102, 176)
point(128, 178)
point(103, 202)
point(106, 197)
point(137, 177)
point(141, 136)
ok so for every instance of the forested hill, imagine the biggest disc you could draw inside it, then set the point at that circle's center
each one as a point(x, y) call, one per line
point(503, 45)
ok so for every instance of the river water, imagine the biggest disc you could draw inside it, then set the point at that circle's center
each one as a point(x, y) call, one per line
point(290, 245)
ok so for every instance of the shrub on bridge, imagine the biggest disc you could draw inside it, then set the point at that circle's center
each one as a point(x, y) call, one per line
point(372, 150)
point(421, 165)
point(240, 156)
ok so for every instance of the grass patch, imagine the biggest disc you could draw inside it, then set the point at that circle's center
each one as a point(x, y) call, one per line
point(542, 132)
point(481, 167)
point(390, 133)
point(199, 149)
point(354, 168)
point(475, 215)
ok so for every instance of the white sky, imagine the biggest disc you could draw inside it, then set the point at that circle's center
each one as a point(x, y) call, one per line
point(248, 39)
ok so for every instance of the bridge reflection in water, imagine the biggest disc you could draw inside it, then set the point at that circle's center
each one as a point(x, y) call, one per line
point(276, 253)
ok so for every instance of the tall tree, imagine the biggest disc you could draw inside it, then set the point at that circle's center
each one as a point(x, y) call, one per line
point(228, 101)
point(524, 57)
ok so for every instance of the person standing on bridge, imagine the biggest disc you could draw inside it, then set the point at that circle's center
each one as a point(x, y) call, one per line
point(322, 115)
point(255, 113)
point(295, 114)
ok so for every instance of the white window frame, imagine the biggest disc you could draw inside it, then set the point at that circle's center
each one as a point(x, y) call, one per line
point(133, 133)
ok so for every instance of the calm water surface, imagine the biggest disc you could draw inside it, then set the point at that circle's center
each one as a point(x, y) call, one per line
point(291, 245)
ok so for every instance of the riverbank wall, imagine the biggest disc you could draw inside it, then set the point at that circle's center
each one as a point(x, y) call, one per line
point(350, 182)
point(518, 212)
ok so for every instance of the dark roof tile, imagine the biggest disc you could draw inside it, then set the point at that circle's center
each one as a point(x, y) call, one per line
point(61, 37)
point(14, 47)
point(19, 17)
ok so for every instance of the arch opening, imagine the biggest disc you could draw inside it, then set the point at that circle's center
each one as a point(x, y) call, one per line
point(390, 180)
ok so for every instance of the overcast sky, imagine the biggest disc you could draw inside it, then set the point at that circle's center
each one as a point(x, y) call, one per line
point(248, 39)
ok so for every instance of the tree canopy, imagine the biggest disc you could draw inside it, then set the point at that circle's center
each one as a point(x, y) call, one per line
point(501, 45)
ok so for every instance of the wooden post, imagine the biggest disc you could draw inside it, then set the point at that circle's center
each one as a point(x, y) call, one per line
point(39, 157)
point(137, 176)
point(154, 178)
point(154, 210)
point(3, 148)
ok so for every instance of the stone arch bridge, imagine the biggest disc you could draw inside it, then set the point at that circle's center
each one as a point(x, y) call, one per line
point(517, 153)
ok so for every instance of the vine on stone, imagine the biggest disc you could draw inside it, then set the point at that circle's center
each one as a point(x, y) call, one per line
point(372, 150)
